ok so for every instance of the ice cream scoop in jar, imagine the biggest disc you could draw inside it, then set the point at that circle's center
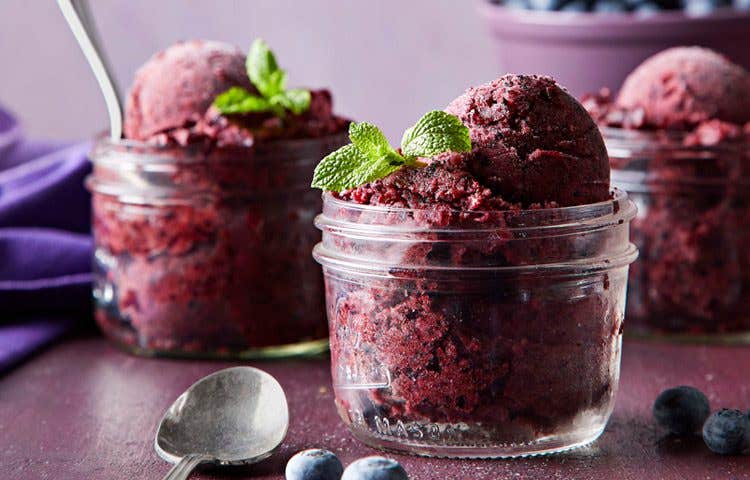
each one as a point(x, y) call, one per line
point(475, 304)
point(679, 142)
point(203, 214)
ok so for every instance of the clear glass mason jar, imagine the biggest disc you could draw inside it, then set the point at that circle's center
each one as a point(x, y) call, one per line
point(475, 334)
point(692, 281)
point(206, 253)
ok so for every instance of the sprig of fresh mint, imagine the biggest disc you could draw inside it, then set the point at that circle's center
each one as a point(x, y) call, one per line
point(270, 80)
point(369, 157)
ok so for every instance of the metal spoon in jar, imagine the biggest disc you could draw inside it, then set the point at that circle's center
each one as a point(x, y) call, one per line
point(236, 416)
point(80, 21)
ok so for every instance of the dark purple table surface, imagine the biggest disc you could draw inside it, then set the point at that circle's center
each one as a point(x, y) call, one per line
point(83, 410)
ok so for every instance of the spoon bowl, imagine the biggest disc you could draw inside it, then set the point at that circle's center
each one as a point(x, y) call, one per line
point(235, 416)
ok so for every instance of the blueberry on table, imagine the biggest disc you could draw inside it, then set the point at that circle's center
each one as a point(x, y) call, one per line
point(516, 4)
point(610, 6)
point(576, 6)
point(631, 4)
point(314, 464)
point(681, 410)
point(669, 4)
point(375, 468)
point(702, 7)
point(726, 432)
point(647, 8)
point(546, 5)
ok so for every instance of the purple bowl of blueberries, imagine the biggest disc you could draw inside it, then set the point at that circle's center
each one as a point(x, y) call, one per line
point(589, 44)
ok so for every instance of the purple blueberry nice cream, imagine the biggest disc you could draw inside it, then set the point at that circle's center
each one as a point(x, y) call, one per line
point(473, 309)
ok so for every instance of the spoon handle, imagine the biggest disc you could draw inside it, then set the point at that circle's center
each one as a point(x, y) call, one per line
point(87, 18)
point(185, 467)
point(79, 19)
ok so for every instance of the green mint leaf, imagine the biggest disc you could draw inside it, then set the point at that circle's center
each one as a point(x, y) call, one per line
point(277, 83)
point(277, 107)
point(350, 167)
point(296, 100)
point(270, 80)
point(237, 100)
point(436, 132)
point(264, 71)
point(372, 142)
point(370, 139)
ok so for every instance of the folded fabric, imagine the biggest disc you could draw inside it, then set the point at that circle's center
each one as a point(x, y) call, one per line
point(45, 244)
point(19, 341)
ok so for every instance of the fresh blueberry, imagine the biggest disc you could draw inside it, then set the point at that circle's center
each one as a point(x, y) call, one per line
point(576, 6)
point(314, 464)
point(631, 4)
point(516, 4)
point(681, 410)
point(702, 7)
point(647, 8)
point(547, 5)
point(610, 6)
point(669, 4)
point(726, 432)
point(375, 468)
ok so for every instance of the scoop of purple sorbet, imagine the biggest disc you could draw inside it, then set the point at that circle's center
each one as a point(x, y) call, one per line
point(683, 86)
point(533, 145)
point(176, 87)
point(533, 142)
point(172, 95)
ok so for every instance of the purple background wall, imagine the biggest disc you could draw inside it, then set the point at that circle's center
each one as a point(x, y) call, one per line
point(387, 61)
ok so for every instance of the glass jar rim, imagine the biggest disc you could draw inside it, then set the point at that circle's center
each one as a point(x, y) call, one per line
point(640, 139)
point(564, 223)
point(619, 205)
point(143, 173)
point(651, 161)
point(139, 153)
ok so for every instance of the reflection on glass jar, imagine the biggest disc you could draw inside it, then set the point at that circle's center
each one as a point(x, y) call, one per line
point(692, 280)
point(493, 334)
point(208, 253)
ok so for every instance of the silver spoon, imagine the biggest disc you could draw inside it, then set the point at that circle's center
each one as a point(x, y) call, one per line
point(236, 416)
point(78, 16)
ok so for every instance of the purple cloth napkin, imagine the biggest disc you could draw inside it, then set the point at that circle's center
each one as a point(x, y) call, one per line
point(45, 245)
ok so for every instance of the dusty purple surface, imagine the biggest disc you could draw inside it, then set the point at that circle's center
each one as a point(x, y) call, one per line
point(83, 410)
